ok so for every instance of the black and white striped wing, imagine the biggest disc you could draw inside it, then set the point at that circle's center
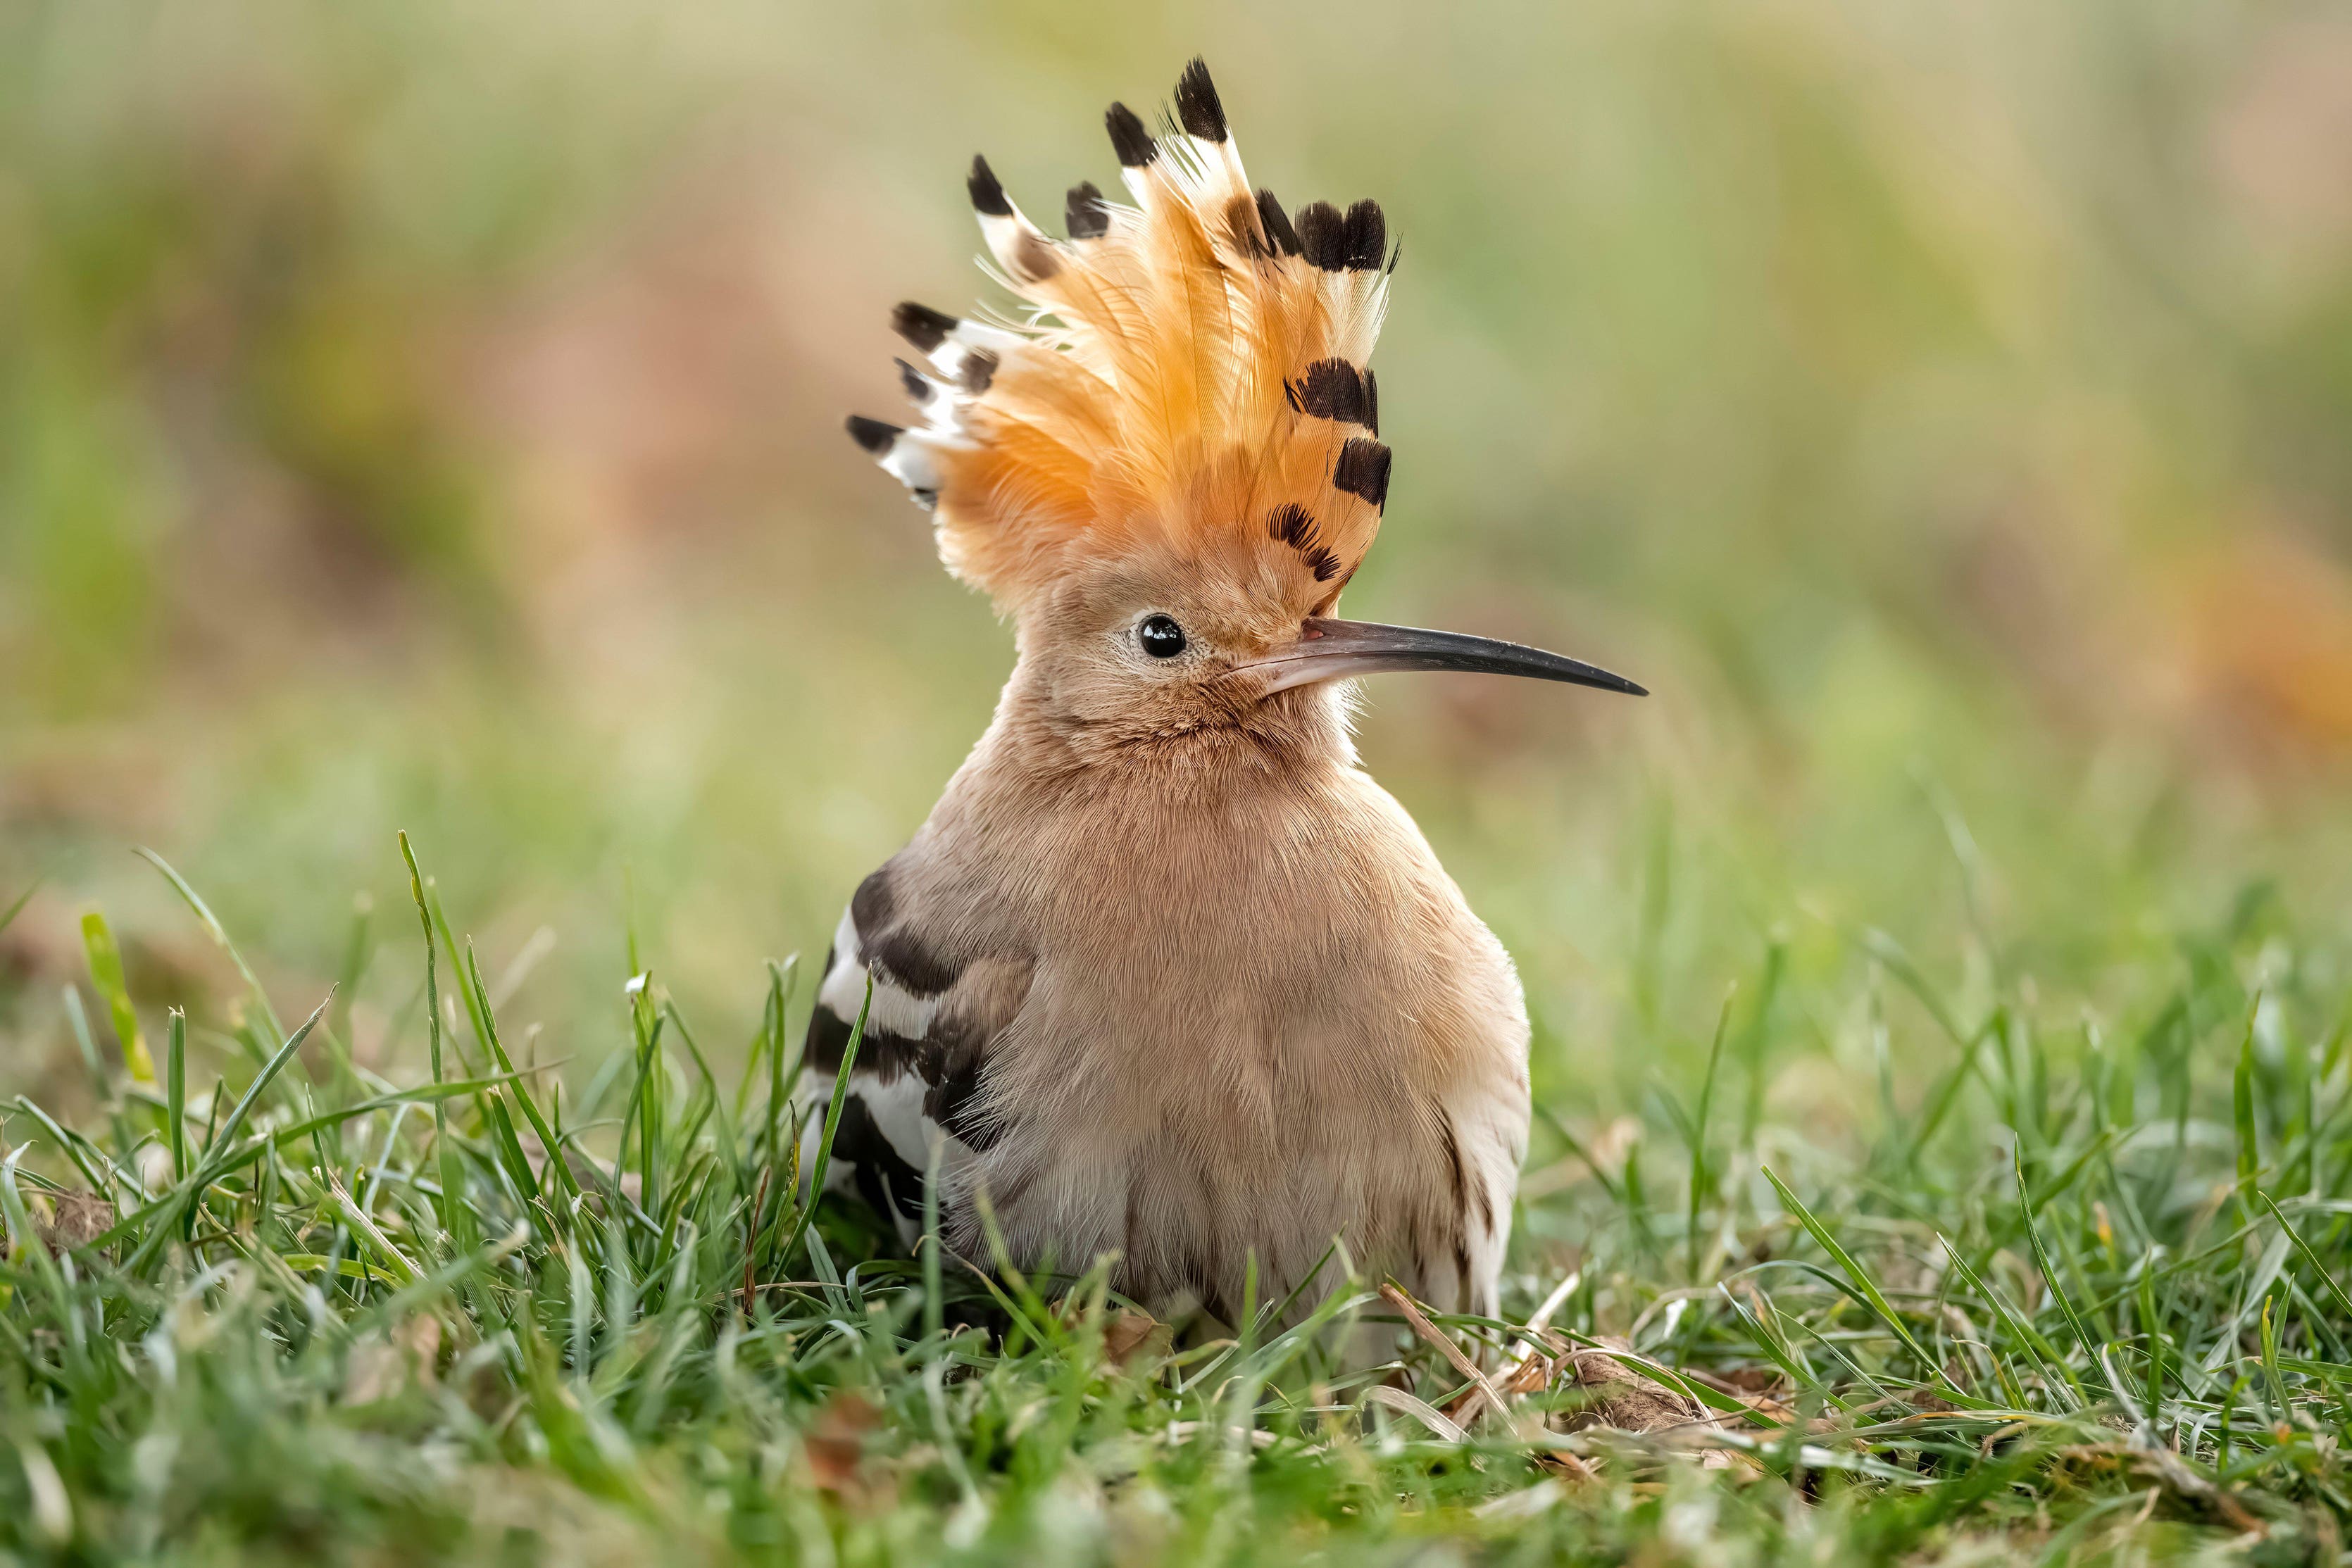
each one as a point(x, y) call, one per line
point(922, 1072)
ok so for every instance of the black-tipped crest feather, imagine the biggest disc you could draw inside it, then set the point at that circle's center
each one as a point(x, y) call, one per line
point(919, 387)
point(873, 434)
point(1197, 107)
point(1368, 237)
point(920, 325)
point(1276, 224)
point(1128, 139)
point(1083, 212)
point(987, 191)
point(1323, 235)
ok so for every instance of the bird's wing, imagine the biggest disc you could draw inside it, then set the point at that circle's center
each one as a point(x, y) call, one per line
point(919, 1074)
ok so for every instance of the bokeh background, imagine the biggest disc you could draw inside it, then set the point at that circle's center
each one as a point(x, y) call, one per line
point(421, 414)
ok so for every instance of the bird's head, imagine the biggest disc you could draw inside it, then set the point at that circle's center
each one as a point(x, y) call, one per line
point(1165, 463)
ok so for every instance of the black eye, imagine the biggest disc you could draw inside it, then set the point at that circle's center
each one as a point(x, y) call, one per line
point(1160, 636)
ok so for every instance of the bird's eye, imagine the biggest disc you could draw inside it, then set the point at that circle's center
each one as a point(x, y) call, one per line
point(1160, 636)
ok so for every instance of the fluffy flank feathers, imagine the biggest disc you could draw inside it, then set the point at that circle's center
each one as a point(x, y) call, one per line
point(1187, 368)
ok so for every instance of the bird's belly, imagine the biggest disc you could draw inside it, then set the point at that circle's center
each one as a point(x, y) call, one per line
point(1263, 1138)
point(1241, 1035)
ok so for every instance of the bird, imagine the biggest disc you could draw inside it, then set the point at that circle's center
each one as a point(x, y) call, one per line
point(1166, 981)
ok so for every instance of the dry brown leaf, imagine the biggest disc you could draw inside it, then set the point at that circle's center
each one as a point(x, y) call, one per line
point(835, 1445)
point(1128, 1337)
point(76, 1219)
point(1620, 1397)
point(1623, 1400)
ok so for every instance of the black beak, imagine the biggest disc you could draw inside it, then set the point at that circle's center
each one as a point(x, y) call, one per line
point(1335, 650)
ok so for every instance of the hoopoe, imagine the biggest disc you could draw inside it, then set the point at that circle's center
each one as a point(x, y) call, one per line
point(1165, 975)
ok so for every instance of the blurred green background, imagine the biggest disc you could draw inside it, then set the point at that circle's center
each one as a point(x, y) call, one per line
point(427, 415)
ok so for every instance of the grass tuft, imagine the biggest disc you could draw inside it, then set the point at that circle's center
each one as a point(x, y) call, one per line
point(2083, 1304)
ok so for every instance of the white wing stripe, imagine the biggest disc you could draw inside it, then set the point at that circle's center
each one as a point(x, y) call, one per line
point(843, 990)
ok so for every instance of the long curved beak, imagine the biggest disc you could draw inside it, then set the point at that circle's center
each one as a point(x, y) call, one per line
point(1335, 650)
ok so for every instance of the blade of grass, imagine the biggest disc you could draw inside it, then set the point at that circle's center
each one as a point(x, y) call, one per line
point(175, 1090)
point(219, 1157)
point(2241, 1104)
point(106, 976)
point(1776, 1349)
point(455, 1220)
point(424, 1093)
point(77, 1021)
point(2282, 1406)
point(357, 951)
point(730, 1146)
point(76, 1149)
point(214, 1163)
point(643, 1114)
point(219, 935)
point(1699, 1182)
point(824, 1159)
point(1863, 1282)
point(2343, 1301)
point(2051, 1280)
point(175, 1108)
point(1568, 1141)
point(17, 908)
point(509, 1145)
point(2151, 1327)
point(934, 1303)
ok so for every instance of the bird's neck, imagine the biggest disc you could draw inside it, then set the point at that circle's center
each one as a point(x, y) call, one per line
point(1295, 740)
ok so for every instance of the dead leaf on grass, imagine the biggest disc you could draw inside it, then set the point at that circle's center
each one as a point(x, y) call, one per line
point(1621, 1399)
point(76, 1219)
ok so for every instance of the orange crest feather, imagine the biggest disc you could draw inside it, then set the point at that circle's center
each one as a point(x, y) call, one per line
point(1186, 369)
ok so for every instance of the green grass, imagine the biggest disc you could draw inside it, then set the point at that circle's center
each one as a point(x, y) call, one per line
point(2080, 1297)
point(427, 415)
